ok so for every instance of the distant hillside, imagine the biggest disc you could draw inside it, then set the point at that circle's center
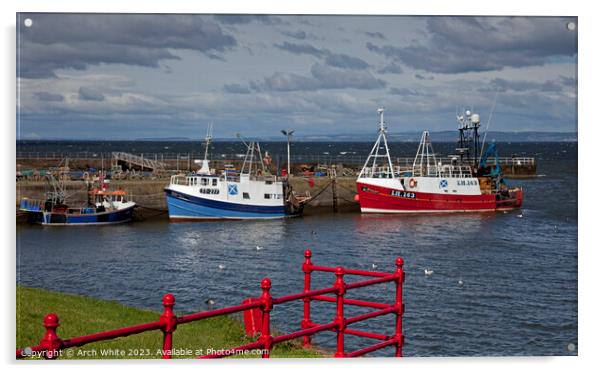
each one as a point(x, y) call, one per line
point(442, 136)
point(436, 136)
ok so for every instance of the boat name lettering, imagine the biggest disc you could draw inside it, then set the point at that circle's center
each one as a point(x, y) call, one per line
point(403, 194)
point(467, 182)
point(209, 191)
point(369, 190)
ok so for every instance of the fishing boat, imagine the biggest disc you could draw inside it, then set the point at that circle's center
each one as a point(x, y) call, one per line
point(104, 206)
point(432, 185)
point(249, 193)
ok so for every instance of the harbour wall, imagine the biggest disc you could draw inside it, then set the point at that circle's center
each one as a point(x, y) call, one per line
point(149, 195)
point(350, 165)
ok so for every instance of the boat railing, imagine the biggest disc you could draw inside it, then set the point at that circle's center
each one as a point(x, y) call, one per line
point(383, 172)
point(185, 180)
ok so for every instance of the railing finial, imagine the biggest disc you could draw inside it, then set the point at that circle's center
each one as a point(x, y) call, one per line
point(51, 341)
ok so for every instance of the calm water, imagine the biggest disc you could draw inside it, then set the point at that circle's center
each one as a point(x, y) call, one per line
point(520, 274)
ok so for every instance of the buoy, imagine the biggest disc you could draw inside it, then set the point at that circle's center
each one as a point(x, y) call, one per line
point(356, 198)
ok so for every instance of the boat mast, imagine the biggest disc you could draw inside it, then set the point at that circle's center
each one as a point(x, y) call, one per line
point(208, 137)
point(424, 153)
point(369, 171)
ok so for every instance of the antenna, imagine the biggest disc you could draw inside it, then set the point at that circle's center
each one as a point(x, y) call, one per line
point(381, 113)
point(488, 122)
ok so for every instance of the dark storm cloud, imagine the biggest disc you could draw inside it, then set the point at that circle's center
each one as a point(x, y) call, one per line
point(236, 88)
point(568, 81)
point(391, 68)
point(340, 60)
point(335, 78)
point(243, 19)
point(301, 49)
point(49, 97)
point(90, 94)
point(346, 62)
point(375, 35)
point(422, 77)
point(322, 77)
point(301, 35)
point(468, 44)
point(504, 85)
point(76, 41)
point(407, 92)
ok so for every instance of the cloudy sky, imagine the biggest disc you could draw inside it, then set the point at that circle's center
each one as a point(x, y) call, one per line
point(155, 76)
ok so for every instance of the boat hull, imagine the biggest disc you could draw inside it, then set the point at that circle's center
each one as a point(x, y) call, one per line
point(383, 200)
point(184, 207)
point(105, 218)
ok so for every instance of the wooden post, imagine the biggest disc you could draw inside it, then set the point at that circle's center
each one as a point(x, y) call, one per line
point(333, 184)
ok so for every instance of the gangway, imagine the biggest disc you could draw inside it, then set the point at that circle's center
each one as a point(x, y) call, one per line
point(138, 160)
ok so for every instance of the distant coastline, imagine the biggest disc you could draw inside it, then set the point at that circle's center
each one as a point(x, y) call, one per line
point(436, 136)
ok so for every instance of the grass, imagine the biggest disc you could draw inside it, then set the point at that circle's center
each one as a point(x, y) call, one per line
point(80, 315)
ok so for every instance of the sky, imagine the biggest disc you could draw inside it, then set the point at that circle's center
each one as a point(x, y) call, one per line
point(131, 76)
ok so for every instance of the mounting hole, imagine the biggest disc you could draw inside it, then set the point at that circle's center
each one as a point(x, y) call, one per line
point(28, 22)
point(571, 26)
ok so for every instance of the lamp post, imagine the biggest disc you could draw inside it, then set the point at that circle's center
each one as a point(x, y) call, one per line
point(288, 134)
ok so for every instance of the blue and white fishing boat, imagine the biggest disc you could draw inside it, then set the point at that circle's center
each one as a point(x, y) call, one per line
point(105, 207)
point(252, 193)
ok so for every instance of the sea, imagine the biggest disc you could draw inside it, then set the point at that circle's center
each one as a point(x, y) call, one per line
point(502, 284)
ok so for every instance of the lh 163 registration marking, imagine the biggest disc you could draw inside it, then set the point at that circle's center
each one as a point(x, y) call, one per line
point(403, 194)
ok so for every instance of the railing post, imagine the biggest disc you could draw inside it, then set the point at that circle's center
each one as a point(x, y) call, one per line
point(266, 307)
point(400, 306)
point(170, 323)
point(51, 341)
point(305, 323)
point(340, 316)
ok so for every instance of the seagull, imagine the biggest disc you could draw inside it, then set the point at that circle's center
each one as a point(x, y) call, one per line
point(258, 247)
point(210, 302)
point(374, 266)
point(460, 283)
point(428, 272)
point(519, 215)
point(221, 266)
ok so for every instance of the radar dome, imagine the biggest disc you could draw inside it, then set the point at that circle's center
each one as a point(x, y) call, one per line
point(475, 118)
point(468, 113)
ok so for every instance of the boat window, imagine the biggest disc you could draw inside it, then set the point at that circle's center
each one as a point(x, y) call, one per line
point(214, 182)
point(267, 196)
point(245, 195)
point(204, 181)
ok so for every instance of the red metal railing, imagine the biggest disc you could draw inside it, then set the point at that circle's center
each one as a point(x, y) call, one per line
point(51, 345)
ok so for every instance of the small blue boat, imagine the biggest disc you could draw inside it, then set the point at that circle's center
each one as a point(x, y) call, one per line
point(108, 207)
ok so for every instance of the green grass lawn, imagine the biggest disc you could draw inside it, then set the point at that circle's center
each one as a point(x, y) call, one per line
point(81, 315)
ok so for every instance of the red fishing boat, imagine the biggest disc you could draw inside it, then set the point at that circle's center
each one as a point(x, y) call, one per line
point(456, 184)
